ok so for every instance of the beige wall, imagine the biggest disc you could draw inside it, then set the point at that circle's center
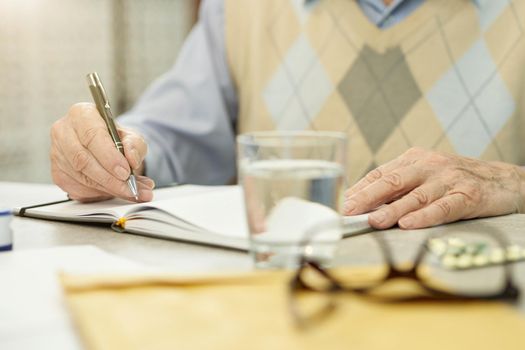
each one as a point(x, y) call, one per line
point(48, 46)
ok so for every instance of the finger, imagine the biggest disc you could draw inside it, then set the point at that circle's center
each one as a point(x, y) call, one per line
point(92, 134)
point(145, 184)
point(146, 181)
point(86, 169)
point(418, 198)
point(80, 180)
point(80, 192)
point(68, 179)
point(384, 190)
point(373, 176)
point(135, 147)
point(75, 189)
point(145, 188)
point(84, 194)
point(444, 210)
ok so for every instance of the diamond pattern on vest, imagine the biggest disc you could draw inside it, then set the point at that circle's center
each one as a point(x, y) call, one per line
point(379, 89)
point(450, 83)
point(298, 89)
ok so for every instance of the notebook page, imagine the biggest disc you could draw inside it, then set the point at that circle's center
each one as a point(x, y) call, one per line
point(217, 209)
point(106, 211)
point(220, 209)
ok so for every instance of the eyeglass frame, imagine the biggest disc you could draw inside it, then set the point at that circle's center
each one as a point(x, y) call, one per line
point(509, 292)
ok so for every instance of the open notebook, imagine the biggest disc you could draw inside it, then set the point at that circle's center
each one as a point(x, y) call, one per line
point(212, 215)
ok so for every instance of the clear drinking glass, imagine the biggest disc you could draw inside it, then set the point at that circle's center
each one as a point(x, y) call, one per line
point(293, 187)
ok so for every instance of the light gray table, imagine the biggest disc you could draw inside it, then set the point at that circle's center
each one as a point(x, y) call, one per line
point(33, 233)
point(185, 257)
point(21, 328)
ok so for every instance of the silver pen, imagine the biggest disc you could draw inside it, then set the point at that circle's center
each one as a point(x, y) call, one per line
point(101, 100)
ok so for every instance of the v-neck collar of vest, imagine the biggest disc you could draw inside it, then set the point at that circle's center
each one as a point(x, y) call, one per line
point(382, 39)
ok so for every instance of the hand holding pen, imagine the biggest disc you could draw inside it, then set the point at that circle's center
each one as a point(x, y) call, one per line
point(85, 159)
point(104, 109)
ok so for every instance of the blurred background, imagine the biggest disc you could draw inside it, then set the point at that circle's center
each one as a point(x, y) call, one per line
point(48, 46)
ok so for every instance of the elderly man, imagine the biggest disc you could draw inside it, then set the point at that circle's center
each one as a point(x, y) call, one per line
point(444, 76)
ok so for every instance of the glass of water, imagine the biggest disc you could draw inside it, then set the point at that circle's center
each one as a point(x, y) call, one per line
point(293, 188)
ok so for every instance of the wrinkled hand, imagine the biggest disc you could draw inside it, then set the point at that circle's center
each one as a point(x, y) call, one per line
point(85, 162)
point(424, 188)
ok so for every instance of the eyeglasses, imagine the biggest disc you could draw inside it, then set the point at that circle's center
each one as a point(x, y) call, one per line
point(316, 281)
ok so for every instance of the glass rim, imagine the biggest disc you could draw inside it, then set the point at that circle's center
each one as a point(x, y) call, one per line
point(269, 138)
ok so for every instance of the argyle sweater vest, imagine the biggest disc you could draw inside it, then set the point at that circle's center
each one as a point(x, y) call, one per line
point(449, 77)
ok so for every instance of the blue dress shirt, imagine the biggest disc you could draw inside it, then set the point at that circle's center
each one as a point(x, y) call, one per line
point(188, 116)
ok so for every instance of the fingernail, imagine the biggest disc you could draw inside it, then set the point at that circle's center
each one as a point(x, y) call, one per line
point(350, 206)
point(146, 181)
point(378, 217)
point(407, 222)
point(146, 195)
point(150, 183)
point(121, 173)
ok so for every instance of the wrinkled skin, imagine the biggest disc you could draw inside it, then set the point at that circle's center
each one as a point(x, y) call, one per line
point(418, 189)
point(85, 162)
point(425, 188)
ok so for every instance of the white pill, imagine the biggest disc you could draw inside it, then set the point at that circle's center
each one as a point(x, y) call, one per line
point(497, 256)
point(437, 246)
point(449, 261)
point(465, 261)
point(513, 252)
point(481, 260)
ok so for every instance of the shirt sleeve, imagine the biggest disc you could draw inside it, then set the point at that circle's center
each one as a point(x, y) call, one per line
point(188, 115)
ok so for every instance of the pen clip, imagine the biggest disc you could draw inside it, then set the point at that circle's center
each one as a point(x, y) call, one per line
point(103, 106)
point(94, 81)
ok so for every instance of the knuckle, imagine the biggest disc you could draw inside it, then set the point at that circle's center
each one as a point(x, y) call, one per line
point(363, 197)
point(136, 142)
point(55, 129)
point(108, 181)
point(438, 159)
point(393, 180)
point(80, 109)
point(90, 134)
point(110, 184)
point(87, 181)
point(53, 134)
point(453, 173)
point(412, 156)
point(420, 196)
point(473, 192)
point(374, 175)
point(144, 145)
point(82, 114)
point(80, 160)
point(415, 151)
point(444, 207)
point(76, 110)
point(53, 155)
point(391, 211)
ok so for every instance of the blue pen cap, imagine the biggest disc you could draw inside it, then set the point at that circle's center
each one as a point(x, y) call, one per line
point(6, 235)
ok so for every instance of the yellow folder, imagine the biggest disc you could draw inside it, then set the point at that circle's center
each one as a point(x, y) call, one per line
point(251, 311)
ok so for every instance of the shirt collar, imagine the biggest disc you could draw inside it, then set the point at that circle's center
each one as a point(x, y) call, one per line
point(310, 2)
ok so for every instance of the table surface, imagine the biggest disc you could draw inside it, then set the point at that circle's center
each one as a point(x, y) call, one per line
point(189, 258)
point(35, 233)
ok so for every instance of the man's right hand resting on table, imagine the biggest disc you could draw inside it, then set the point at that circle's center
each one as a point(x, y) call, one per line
point(85, 162)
